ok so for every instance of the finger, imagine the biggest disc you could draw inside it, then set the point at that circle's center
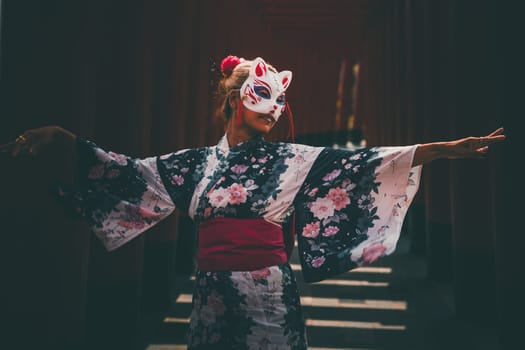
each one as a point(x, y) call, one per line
point(493, 139)
point(480, 153)
point(483, 152)
point(498, 131)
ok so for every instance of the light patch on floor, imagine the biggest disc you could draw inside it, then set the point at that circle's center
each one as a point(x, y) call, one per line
point(354, 324)
point(176, 320)
point(362, 269)
point(355, 303)
point(352, 283)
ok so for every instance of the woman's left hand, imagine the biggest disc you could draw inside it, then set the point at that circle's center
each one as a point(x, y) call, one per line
point(468, 147)
point(473, 147)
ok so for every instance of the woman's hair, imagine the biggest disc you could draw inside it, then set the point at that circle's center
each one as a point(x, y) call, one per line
point(234, 72)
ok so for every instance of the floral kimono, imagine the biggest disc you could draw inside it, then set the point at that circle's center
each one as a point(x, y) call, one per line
point(348, 205)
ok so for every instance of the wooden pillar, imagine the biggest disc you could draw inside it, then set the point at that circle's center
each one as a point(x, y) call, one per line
point(506, 179)
point(438, 112)
point(44, 252)
point(477, 114)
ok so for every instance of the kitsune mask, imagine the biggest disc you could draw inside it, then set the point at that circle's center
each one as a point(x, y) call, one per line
point(263, 90)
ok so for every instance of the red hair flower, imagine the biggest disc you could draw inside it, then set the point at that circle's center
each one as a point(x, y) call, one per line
point(228, 64)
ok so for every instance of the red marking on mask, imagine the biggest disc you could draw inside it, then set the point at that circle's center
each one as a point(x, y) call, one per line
point(248, 91)
point(260, 70)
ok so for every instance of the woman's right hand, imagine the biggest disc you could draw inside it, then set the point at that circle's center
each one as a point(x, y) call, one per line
point(32, 142)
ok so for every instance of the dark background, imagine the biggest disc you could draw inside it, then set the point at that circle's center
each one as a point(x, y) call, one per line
point(134, 76)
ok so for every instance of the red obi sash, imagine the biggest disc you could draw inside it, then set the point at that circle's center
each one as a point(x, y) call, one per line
point(227, 244)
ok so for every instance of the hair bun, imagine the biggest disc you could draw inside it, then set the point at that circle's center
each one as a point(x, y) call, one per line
point(228, 64)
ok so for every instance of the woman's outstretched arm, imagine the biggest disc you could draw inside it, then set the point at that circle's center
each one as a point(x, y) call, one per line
point(32, 142)
point(468, 147)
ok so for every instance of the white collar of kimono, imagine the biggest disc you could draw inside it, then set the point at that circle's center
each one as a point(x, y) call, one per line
point(225, 147)
point(223, 144)
point(263, 90)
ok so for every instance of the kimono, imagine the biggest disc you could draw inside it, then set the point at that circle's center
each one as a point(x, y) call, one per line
point(348, 208)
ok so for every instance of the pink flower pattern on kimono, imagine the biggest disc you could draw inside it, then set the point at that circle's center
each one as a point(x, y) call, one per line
point(119, 158)
point(317, 262)
point(330, 231)
point(311, 230)
point(237, 194)
point(322, 208)
point(131, 224)
point(239, 168)
point(178, 180)
point(147, 214)
point(339, 197)
point(299, 158)
point(219, 197)
point(373, 252)
point(260, 274)
point(332, 175)
point(356, 156)
point(313, 192)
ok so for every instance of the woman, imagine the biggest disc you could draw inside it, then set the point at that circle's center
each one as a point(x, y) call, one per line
point(347, 207)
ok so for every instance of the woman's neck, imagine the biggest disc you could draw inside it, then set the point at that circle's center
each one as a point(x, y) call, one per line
point(236, 134)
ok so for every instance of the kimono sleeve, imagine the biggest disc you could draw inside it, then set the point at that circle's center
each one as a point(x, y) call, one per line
point(120, 197)
point(351, 207)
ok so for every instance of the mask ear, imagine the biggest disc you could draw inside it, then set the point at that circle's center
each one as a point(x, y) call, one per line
point(286, 78)
point(259, 68)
